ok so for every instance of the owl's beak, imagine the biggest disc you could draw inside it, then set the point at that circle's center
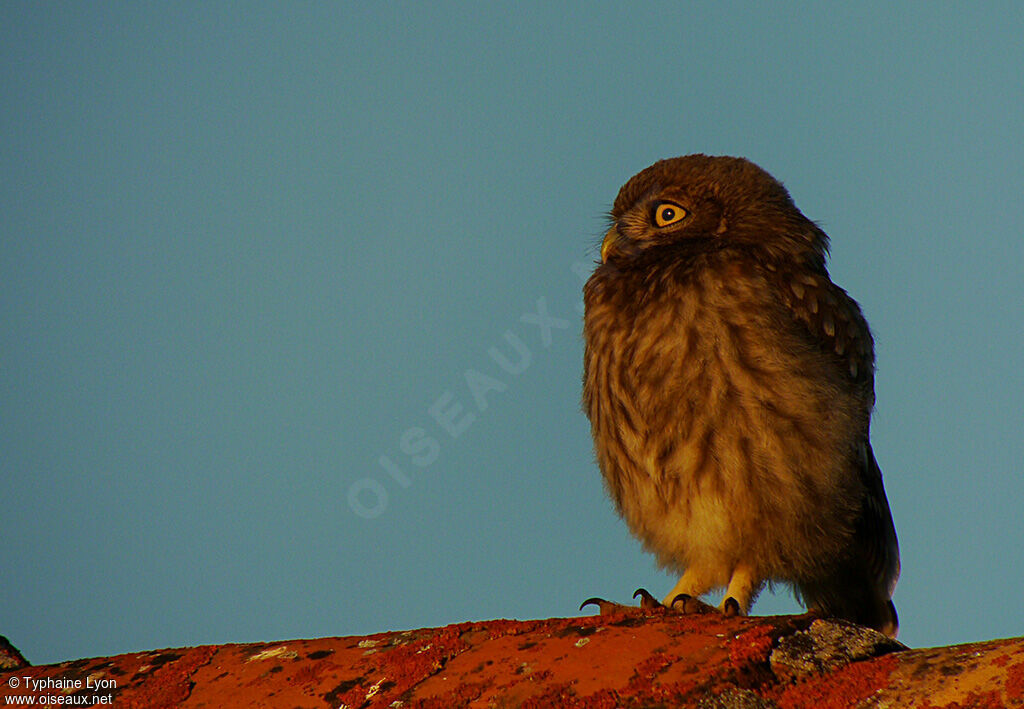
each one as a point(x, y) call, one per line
point(608, 244)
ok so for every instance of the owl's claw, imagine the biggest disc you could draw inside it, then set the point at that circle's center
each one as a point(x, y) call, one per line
point(683, 604)
point(688, 605)
point(647, 601)
point(603, 607)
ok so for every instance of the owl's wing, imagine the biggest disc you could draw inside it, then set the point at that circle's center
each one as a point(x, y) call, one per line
point(834, 320)
point(875, 531)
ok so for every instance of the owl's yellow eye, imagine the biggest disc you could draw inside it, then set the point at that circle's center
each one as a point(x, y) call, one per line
point(666, 213)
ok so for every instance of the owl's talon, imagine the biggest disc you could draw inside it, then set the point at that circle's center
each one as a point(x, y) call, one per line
point(647, 601)
point(682, 599)
point(682, 603)
point(730, 607)
point(688, 605)
point(603, 607)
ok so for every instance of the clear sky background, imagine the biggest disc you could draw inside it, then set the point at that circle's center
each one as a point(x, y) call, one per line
point(246, 250)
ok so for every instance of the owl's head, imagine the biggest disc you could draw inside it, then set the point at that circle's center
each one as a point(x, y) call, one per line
point(710, 201)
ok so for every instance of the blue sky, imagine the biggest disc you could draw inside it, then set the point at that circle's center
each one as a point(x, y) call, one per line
point(249, 251)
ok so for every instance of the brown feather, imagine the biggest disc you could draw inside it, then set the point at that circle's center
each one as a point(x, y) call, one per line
point(729, 384)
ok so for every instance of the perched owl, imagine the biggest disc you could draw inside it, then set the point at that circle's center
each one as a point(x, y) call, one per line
point(729, 385)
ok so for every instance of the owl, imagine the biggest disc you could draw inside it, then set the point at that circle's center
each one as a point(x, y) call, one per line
point(729, 386)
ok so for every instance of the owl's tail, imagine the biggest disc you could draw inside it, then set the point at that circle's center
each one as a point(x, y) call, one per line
point(858, 586)
point(880, 615)
point(847, 596)
point(891, 625)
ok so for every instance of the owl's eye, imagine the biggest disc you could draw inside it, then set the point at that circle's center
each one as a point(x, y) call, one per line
point(666, 213)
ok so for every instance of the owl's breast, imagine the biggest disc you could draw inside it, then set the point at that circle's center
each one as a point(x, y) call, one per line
point(708, 408)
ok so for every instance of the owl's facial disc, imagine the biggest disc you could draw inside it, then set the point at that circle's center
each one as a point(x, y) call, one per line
point(646, 224)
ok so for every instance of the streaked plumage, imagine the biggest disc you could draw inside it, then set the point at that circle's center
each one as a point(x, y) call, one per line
point(729, 384)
